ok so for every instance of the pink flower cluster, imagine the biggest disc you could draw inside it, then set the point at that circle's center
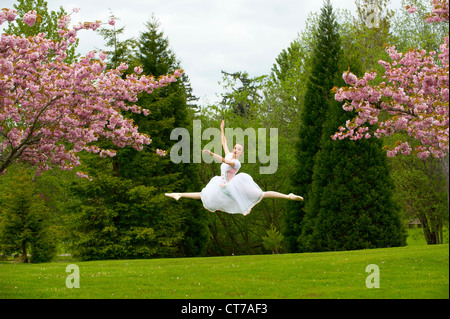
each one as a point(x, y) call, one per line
point(411, 9)
point(7, 14)
point(30, 17)
point(161, 152)
point(415, 94)
point(439, 12)
point(50, 110)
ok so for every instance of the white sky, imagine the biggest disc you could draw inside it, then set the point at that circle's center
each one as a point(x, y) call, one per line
point(207, 36)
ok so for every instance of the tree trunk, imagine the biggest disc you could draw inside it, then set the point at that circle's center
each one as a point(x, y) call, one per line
point(444, 165)
point(24, 253)
point(430, 236)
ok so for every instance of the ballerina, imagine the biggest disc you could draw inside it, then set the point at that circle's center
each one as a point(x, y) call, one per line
point(231, 192)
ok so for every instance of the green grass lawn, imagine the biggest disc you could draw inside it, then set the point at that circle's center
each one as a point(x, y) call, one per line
point(418, 271)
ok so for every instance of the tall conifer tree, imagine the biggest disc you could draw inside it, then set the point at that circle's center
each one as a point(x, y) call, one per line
point(348, 191)
point(169, 109)
point(324, 69)
point(351, 198)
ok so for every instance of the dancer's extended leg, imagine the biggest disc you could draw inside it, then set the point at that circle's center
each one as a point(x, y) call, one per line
point(177, 196)
point(271, 194)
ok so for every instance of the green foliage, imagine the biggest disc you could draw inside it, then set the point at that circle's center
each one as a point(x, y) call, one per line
point(285, 89)
point(121, 51)
point(351, 205)
point(242, 99)
point(25, 220)
point(120, 220)
point(421, 191)
point(273, 240)
point(366, 36)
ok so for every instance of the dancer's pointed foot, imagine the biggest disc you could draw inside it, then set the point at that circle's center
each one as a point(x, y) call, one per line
point(295, 197)
point(176, 196)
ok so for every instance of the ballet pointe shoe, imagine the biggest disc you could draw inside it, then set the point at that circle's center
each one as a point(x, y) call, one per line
point(176, 196)
point(295, 197)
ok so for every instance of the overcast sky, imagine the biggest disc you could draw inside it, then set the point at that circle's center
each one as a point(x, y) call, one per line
point(207, 36)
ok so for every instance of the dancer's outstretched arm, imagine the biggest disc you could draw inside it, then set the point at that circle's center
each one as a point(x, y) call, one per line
point(220, 158)
point(271, 194)
point(224, 140)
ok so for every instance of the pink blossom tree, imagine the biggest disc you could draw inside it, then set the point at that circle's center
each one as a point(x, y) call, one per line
point(50, 110)
point(414, 96)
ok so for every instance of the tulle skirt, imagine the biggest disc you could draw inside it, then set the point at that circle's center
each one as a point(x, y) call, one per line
point(237, 197)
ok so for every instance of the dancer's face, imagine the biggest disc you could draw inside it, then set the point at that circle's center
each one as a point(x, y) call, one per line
point(238, 150)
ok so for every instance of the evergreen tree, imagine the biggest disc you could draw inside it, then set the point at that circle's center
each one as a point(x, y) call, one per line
point(121, 51)
point(318, 95)
point(169, 109)
point(118, 218)
point(351, 200)
point(25, 220)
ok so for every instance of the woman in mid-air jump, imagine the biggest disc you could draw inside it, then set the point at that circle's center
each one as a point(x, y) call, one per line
point(232, 193)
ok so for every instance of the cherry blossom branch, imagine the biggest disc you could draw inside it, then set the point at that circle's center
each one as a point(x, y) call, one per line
point(50, 110)
point(415, 94)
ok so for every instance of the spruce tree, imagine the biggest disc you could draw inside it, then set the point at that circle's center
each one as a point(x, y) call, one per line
point(325, 58)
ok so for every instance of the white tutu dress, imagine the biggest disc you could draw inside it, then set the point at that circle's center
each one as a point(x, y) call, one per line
point(232, 193)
